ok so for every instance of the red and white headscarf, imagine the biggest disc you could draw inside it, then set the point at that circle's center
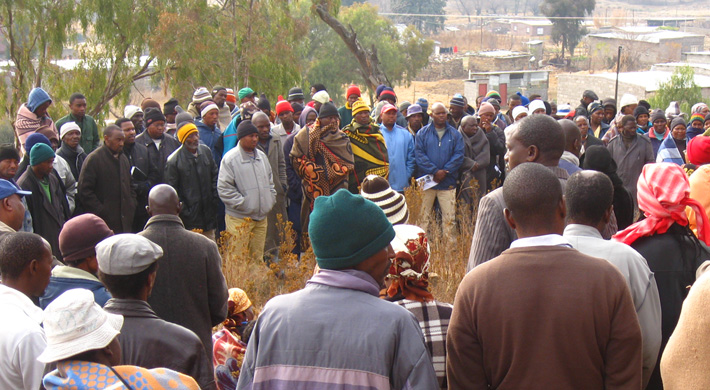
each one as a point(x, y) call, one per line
point(409, 271)
point(663, 194)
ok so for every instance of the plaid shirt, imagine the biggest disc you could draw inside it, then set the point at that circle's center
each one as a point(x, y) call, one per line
point(433, 318)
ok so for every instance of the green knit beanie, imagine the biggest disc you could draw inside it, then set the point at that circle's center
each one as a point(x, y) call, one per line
point(40, 153)
point(347, 229)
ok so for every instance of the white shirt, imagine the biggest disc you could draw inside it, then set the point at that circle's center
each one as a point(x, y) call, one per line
point(639, 277)
point(21, 341)
point(546, 240)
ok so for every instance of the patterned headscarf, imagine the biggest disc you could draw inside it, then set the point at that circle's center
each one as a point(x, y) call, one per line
point(409, 271)
point(237, 303)
point(663, 194)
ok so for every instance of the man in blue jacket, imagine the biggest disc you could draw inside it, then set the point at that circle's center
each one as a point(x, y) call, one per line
point(439, 151)
point(400, 149)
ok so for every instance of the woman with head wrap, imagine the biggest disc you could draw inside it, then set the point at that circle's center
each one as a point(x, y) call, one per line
point(33, 115)
point(304, 120)
point(598, 158)
point(229, 345)
point(408, 286)
point(665, 240)
point(698, 154)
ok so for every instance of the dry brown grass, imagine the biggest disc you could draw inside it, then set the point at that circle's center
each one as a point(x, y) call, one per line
point(262, 281)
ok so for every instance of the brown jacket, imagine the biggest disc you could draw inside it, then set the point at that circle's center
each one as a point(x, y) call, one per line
point(545, 317)
point(105, 189)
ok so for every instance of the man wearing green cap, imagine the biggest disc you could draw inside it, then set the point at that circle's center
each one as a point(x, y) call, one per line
point(336, 332)
point(48, 204)
point(246, 95)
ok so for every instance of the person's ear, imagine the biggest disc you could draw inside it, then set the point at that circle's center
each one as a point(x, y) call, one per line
point(147, 209)
point(6, 204)
point(179, 208)
point(533, 153)
point(509, 218)
point(151, 280)
point(562, 208)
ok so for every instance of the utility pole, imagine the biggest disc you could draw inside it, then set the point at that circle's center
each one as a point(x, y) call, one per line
point(618, 67)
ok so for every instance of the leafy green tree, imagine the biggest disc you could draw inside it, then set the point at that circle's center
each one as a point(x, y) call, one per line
point(430, 24)
point(568, 32)
point(681, 88)
point(330, 62)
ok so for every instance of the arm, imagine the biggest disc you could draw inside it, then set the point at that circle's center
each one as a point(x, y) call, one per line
point(464, 354)
point(283, 181)
point(87, 184)
point(649, 315)
point(95, 132)
point(623, 363)
point(456, 159)
point(492, 235)
point(25, 359)
point(411, 160)
point(484, 158)
point(423, 162)
point(412, 369)
point(217, 286)
point(227, 187)
point(649, 154)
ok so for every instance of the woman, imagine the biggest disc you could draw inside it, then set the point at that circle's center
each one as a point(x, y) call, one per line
point(229, 343)
point(664, 239)
point(672, 148)
point(308, 117)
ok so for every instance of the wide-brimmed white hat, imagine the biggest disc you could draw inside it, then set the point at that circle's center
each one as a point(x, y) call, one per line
point(74, 323)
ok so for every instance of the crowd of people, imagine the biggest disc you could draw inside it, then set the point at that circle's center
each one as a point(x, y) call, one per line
point(590, 224)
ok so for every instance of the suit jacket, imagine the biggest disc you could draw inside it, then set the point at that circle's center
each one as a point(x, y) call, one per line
point(48, 216)
point(105, 189)
point(493, 235)
point(159, 156)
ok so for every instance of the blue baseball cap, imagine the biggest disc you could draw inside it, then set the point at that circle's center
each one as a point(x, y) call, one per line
point(7, 189)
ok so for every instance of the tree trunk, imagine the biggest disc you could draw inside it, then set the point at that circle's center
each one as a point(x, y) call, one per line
point(370, 68)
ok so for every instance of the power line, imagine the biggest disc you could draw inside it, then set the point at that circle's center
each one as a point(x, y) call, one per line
point(676, 18)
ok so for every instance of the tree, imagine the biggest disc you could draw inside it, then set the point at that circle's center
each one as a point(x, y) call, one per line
point(430, 24)
point(566, 17)
point(681, 88)
point(391, 58)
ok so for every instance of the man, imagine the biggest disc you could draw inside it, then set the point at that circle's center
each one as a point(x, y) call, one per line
point(60, 168)
point(368, 146)
point(48, 204)
point(295, 95)
point(189, 289)
point(9, 161)
point(159, 144)
point(587, 98)
point(288, 126)
point(319, 99)
point(12, 210)
point(631, 152)
point(304, 339)
point(231, 100)
point(628, 104)
point(400, 149)
point(589, 196)
point(538, 139)
point(322, 158)
point(388, 95)
point(25, 265)
point(536, 298)
point(128, 264)
point(246, 187)
point(513, 101)
point(88, 131)
point(71, 151)
point(208, 129)
point(191, 170)
point(609, 105)
point(105, 183)
point(82, 342)
point(588, 139)
point(200, 96)
point(456, 107)
point(597, 127)
point(33, 115)
point(246, 94)
point(495, 174)
point(219, 97)
point(573, 145)
point(439, 152)
point(274, 151)
point(77, 240)
point(415, 119)
point(143, 173)
point(475, 161)
point(352, 94)
point(135, 114)
point(170, 111)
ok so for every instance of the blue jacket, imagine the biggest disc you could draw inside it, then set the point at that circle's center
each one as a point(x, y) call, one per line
point(433, 154)
point(67, 278)
point(400, 150)
point(209, 137)
point(229, 136)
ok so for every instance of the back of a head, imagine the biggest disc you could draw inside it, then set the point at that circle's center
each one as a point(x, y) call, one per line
point(163, 199)
point(588, 195)
point(543, 132)
point(571, 132)
point(17, 250)
point(532, 193)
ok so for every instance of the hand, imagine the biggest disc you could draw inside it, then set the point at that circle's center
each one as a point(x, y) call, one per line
point(487, 126)
point(475, 167)
point(440, 175)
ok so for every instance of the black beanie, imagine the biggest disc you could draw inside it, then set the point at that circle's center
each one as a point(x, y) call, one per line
point(327, 110)
point(658, 114)
point(245, 128)
point(640, 110)
point(169, 107)
point(153, 114)
point(264, 103)
point(8, 151)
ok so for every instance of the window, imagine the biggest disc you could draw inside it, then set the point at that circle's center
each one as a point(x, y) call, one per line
point(515, 27)
point(539, 31)
point(527, 30)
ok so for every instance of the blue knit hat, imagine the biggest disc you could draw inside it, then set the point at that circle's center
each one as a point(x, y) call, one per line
point(34, 139)
point(523, 99)
point(40, 153)
point(36, 98)
point(347, 229)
